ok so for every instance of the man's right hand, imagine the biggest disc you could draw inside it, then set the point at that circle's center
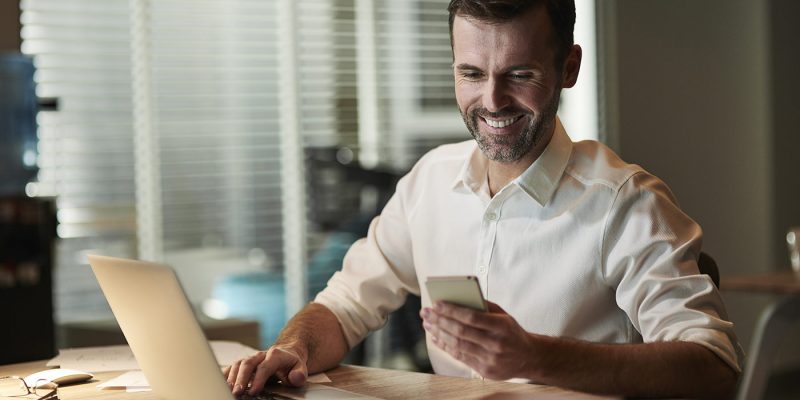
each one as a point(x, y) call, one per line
point(284, 363)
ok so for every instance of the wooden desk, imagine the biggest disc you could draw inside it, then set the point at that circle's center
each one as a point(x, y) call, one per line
point(381, 383)
point(772, 325)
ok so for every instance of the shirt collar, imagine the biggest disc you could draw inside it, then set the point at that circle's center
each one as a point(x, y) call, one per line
point(473, 172)
point(539, 181)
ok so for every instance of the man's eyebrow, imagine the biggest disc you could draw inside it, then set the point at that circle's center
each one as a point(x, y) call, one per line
point(470, 67)
point(467, 66)
point(524, 67)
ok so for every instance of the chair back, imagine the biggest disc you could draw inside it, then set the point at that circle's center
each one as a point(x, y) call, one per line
point(709, 267)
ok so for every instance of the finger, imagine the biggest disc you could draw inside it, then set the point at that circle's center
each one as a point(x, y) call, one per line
point(464, 353)
point(478, 319)
point(265, 370)
point(424, 312)
point(457, 336)
point(460, 330)
point(246, 369)
point(233, 371)
point(298, 375)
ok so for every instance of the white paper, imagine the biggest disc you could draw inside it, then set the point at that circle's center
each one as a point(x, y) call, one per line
point(318, 378)
point(96, 359)
point(135, 381)
point(120, 358)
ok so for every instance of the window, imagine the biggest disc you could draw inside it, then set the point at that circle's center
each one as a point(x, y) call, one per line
point(185, 127)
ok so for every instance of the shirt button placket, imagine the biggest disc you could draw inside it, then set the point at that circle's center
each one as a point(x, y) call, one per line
point(490, 218)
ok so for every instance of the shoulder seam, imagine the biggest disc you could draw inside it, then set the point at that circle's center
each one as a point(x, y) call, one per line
point(613, 203)
point(605, 182)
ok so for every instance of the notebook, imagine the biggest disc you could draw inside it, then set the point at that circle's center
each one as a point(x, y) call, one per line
point(159, 324)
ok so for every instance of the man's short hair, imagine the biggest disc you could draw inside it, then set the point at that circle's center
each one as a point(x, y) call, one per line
point(561, 13)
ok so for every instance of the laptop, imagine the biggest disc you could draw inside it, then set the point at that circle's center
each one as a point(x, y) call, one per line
point(159, 324)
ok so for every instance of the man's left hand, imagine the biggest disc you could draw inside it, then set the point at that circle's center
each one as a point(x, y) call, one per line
point(492, 343)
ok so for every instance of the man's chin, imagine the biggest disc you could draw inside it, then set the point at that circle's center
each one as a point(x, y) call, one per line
point(500, 140)
point(502, 147)
point(498, 153)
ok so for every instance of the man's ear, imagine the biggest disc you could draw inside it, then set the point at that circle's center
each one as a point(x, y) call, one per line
point(572, 65)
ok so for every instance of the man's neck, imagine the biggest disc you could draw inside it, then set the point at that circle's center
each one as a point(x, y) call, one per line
point(501, 173)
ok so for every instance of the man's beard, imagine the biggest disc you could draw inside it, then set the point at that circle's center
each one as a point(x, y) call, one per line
point(511, 147)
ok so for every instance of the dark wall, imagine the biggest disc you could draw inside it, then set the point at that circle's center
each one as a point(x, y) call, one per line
point(693, 108)
point(9, 26)
point(785, 116)
point(705, 98)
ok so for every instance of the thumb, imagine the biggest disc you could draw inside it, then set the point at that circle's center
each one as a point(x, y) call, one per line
point(495, 308)
point(298, 375)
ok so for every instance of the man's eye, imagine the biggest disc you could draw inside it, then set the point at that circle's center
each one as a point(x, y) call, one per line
point(521, 76)
point(471, 74)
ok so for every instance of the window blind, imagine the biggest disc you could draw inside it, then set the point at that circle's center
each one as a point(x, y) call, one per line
point(81, 50)
point(213, 100)
point(183, 125)
point(408, 50)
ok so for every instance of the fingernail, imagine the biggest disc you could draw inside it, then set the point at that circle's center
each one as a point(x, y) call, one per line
point(426, 312)
point(237, 389)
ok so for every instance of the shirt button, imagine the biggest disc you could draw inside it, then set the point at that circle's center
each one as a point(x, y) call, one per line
point(482, 270)
point(491, 216)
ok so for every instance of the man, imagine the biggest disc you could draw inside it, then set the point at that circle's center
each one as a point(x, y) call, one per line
point(588, 264)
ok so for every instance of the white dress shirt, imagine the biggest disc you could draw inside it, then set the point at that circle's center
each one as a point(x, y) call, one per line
point(581, 245)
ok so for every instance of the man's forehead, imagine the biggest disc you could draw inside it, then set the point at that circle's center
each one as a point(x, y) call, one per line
point(517, 42)
point(536, 15)
point(534, 24)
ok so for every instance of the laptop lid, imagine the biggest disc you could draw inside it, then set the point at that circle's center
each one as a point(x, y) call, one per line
point(157, 320)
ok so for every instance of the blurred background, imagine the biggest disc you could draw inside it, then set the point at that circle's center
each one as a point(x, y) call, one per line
point(249, 143)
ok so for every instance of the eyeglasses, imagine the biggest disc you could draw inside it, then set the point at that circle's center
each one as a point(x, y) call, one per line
point(16, 387)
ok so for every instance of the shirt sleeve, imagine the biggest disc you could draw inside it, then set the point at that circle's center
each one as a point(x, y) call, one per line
point(376, 276)
point(650, 251)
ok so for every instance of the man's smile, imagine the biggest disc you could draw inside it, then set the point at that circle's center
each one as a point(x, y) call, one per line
point(502, 125)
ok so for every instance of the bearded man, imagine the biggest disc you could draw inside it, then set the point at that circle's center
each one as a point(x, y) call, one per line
point(588, 265)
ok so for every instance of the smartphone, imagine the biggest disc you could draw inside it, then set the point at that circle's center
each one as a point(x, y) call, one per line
point(460, 290)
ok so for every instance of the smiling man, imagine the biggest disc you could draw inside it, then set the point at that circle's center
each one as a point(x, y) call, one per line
point(588, 265)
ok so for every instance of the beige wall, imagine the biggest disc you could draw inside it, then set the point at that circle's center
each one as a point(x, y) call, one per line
point(9, 26)
point(701, 94)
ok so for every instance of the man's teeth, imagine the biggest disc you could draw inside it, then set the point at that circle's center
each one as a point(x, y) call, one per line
point(500, 124)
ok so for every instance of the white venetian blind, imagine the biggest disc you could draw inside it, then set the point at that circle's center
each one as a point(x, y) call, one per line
point(328, 108)
point(81, 50)
point(182, 125)
point(200, 80)
point(406, 55)
point(374, 76)
point(214, 103)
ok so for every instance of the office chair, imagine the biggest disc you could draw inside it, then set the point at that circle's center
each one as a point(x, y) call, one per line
point(771, 326)
point(708, 266)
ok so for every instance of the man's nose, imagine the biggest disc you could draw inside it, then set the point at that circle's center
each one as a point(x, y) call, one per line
point(495, 95)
